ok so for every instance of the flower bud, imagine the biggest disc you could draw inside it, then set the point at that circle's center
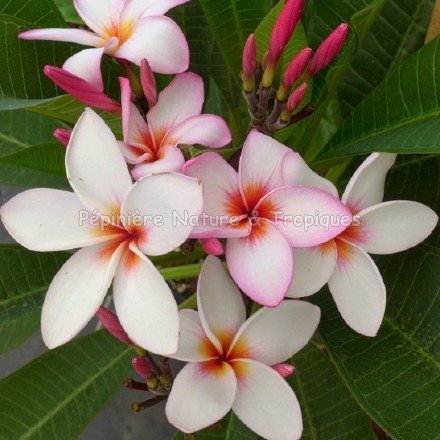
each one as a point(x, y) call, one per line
point(142, 367)
point(148, 83)
point(111, 322)
point(284, 370)
point(297, 67)
point(294, 101)
point(212, 246)
point(62, 135)
point(249, 56)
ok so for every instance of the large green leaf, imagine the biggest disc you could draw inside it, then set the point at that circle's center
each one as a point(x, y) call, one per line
point(42, 13)
point(396, 376)
point(57, 395)
point(68, 11)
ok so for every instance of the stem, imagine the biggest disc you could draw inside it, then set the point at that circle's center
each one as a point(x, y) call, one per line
point(134, 385)
point(135, 83)
point(189, 303)
point(181, 272)
point(141, 406)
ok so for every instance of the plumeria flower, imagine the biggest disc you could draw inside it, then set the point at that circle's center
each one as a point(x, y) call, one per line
point(378, 228)
point(261, 218)
point(151, 146)
point(115, 223)
point(230, 360)
point(127, 29)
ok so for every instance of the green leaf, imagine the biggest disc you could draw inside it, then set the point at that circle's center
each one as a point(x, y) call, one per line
point(396, 376)
point(42, 13)
point(58, 394)
point(68, 11)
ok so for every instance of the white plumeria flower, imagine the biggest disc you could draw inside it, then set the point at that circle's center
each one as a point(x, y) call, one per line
point(151, 145)
point(116, 223)
point(230, 360)
point(128, 29)
point(378, 228)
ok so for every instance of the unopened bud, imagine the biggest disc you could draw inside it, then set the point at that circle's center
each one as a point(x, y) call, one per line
point(294, 101)
point(148, 83)
point(111, 323)
point(284, 370)
point(62, 135)
point(142, 367)
point(212, 246)
point(296, 67)
point(249, 62)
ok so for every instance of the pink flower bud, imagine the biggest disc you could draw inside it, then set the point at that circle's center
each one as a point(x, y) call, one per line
point(296, 97)
point(212, 246)
point(81, 89)
point(142, 367)
point(296, 67)
point(284, 370)
point(111, 322)
point(62, 135)
point(329, 49)
point(148, 83)
point(284, 27)
point(249, 56)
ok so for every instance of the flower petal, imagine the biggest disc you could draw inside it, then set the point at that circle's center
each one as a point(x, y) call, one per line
point(312, 269)
point(162, 209)
point(77, 291)
point(261, 264)
point(159, 40)
point(266, 403)
point(273, 335)
point(135, 9)
point(366, 187)
point(145, 305)
point(44, 219)
point(208, 130)
point(220, 305)
point(79, 36)
point(168, 160)
point(100, 187)
point(395, 226)
point(202, 394)
point(358, 289)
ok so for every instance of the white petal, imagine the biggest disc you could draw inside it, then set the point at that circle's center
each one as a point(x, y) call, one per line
point(312, 269)
point(266, 403)
point(160, 41)
point(77, 291)
point(145, 305)
point(274, 335)
point(395, 226)
point(162, 208)
point(95, 166)
point(366, 187)
point(202, 394)
point(79, 36)
point(358, 289)
point(135, 9)
point(44, 219)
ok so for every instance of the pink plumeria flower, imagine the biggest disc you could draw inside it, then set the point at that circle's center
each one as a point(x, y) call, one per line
point(128, 29)
point(230, 360)
point(378, 228)
point(255, 211)
point(115, 223)
point(151, 146)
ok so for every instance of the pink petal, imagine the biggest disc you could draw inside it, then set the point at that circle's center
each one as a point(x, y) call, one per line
point(312, 269)
point(111, 323)
point(134, 154)
point(79, 36)
point(168, 160)
point(100, 187)
point(62, 135)
point(212, 246)
point(77, 291)
point(207, 130)
point(366, 187)
point(159, 40)
point(161, 208)
point(135, 9)
point(266, 403)
point(358, 289)
point(261, 264)
point(145, 304)
point(202, 394)
point(273, 335)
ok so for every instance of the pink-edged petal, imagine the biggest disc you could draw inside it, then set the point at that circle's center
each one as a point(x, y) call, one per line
point(160, 41)
point(208, 130)
point(79, 36)
point(366, 187)
point(145, 304)
point(87, 65)
point(135, 9)
point(211, 227)
point(273, 335)
point(102, 17)
point(312, 269)
point(358, 289)
point(77, 291)
point(306, 216)
point(297, 172)
point(194, 345)
point(202, 394)
point(265, 402)
point(44, 219)
point(134, 154)
point(220, 305)
point(394, 226)
point(168, 160)
point(162, 209)
point(260, 166)
point(261, 264)
point(180, 100)
point(91, 145)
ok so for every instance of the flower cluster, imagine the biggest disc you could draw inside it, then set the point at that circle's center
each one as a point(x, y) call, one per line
point(283, 229)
